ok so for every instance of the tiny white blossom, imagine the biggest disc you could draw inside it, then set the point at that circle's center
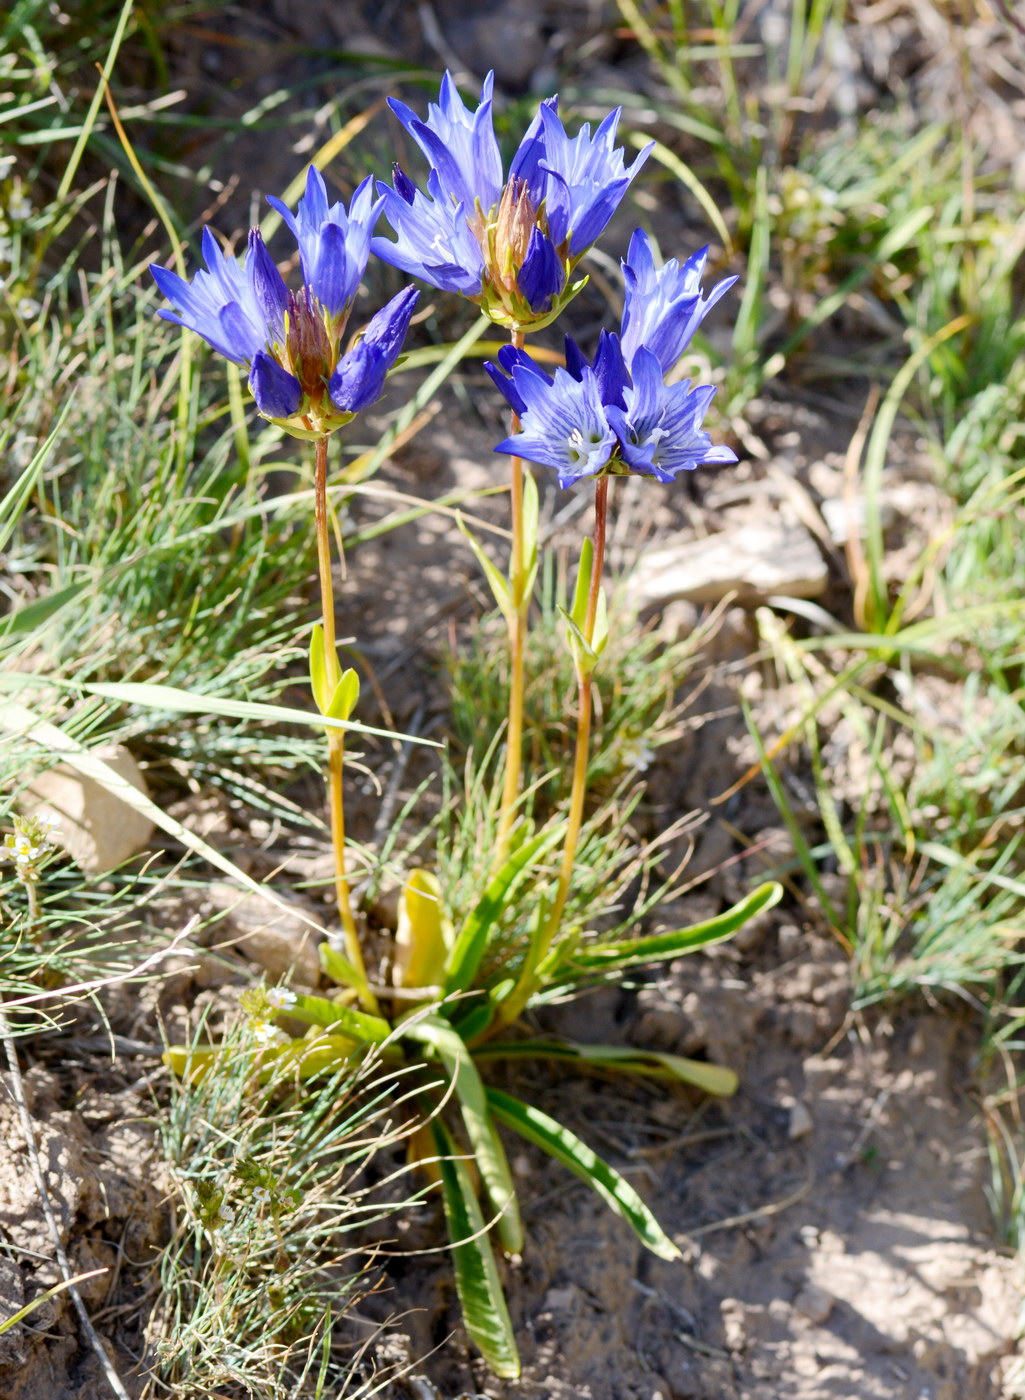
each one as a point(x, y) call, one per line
point(19, 209)
point(28, 307)
point(261, 1196)
point(281, 997)
point(225, 1213)
point(266, 1034)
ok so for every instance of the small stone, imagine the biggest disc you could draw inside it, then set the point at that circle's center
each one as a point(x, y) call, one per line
point(97, 828)
point(754, 559)
point(801, 1123)
point(277, 938)
point(814, 1303)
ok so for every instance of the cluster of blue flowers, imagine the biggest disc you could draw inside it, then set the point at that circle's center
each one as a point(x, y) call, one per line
point(616, 414)
point(510, 244)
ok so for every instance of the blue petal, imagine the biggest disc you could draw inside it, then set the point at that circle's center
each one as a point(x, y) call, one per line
point(576, 360)
point(267, 284)
point(542, 276)
point(238, 334)
point(387, 329)
point(333, 279)
point(359, 378)
point(610, 369)
point(404, 186)
point(277, 393)
point(506, 387)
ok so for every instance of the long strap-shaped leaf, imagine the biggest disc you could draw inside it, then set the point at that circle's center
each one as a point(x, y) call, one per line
point(605, 957)
point(469, 946)
point(319, 1011)
point(480, 1128)
point(625, 1059)
point(485, 1312)
point(568, 1149)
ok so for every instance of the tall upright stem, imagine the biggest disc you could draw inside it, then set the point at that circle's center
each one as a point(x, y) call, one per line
point(518, 998)
point(584, 710)
point(336, 737)
point(517, 623)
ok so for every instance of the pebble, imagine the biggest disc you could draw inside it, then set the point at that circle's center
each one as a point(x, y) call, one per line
point(801, 1122)
point(754, 559)
point(814, 1303)
point(97, 829)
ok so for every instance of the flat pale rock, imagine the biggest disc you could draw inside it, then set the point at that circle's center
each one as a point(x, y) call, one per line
point(278, 939)
point(97, 829)
point(754, 559)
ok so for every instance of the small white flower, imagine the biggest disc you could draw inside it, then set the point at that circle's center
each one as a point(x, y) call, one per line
point(51, 821)
point(281, 997)
point(266, 1034)
point(261, 1196)
point(28, 307)
point(225, 1213)
point(19, 209)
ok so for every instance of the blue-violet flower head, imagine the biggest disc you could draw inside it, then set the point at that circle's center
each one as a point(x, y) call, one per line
point(615, 414)
point(291, 342)
point(511, 243)
point(663, 307)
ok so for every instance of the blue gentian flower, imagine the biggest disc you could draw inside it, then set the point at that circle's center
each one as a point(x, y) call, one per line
point(564, 423)
point(291, 342)
point(663, 307)
point(659, 431)
point(615, 414)
point(510, 244)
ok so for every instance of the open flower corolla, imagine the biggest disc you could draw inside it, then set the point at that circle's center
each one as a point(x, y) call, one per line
point(291, 342)
point(616, 414)
point(510, 243)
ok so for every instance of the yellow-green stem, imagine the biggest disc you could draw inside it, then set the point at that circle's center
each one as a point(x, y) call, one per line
point(336, 737)
point(515, 1003)
point(517, 624)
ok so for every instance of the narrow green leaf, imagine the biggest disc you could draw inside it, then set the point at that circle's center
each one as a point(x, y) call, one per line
point(487, 1145)
point(464, 959)
point(319, 1011)
point(169, 697)
point(603, 957)
point(339, 969)
point(34, 614)
point(497, 580)
point(485, 1311)
point(531, 515)
point(345, 696)
point(584, 656)
point(624, 1059)
point(599, 640)
point(16, 499)
point(321, 683)
point(575, 1154)
point(581, 592)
